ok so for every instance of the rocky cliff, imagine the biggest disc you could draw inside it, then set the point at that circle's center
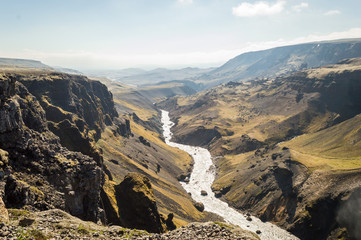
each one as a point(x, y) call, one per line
point(37, 172)
point(50, 123)
point(77, 109)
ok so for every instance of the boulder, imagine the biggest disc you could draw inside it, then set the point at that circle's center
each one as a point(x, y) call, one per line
point(204, 193)
point(199, 206)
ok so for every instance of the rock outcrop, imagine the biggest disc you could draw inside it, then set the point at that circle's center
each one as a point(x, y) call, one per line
point(77, 109)
point(37, 172)
point(137, 205)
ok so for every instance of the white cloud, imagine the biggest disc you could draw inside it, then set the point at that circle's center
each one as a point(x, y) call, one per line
point(185, 1)
point(332, 12)
point(247, 9)
point(300, 7)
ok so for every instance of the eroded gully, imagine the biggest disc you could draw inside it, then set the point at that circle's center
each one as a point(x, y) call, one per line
point(202, 177)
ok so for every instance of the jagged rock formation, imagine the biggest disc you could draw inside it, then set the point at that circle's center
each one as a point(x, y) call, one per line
point(40, 173)
point(77, 109)
point(136, 203)
point(132, 204)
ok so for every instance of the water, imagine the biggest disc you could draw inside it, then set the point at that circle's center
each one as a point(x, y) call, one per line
point(202, 177)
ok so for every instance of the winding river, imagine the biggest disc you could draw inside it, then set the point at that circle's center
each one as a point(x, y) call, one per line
point(202, 177)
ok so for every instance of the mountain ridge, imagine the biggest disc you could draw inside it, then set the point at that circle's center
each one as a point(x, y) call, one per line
point(282, 60)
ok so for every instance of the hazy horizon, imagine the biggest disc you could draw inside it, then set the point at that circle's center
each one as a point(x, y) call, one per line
point(167, 33)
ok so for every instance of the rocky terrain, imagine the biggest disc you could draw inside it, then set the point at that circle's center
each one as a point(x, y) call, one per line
point(286, 150)
point(37, 172)
point(64, 149)
point(57, 224)
point(299, 184)
point(42, 171)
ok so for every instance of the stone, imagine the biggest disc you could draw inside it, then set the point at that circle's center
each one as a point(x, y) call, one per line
point(204, 193)
point(199, 206)
point(25, 222)
point(218, 194)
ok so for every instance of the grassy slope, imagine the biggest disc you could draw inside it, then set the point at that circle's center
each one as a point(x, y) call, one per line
point(132, 155)
point(319, 167)
point(335, 148)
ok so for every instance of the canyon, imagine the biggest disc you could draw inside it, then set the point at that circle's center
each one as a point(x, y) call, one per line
point(276, 153)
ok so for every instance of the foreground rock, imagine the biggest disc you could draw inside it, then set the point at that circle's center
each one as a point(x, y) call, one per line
point(57, 224)
point(209, 230)
point(36, 172)
point(137, 205)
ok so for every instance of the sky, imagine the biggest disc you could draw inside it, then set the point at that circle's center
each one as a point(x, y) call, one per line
point(117, 34)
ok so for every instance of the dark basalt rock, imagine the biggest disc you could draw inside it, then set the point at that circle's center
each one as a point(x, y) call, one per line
point(136, 202)
point(144, 141)
point(77, 109)
point(169, 222)
point(199, 206)
point(39, 173)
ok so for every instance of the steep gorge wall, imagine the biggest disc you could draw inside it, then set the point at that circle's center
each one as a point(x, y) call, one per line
point(37, 172)
point(77, 109)
point(45, 117)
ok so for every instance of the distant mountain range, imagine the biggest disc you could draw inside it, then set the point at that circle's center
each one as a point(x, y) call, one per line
point(281, 60)
point(140, 77)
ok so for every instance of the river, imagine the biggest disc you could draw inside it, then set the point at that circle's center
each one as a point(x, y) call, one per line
point(202, 177)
